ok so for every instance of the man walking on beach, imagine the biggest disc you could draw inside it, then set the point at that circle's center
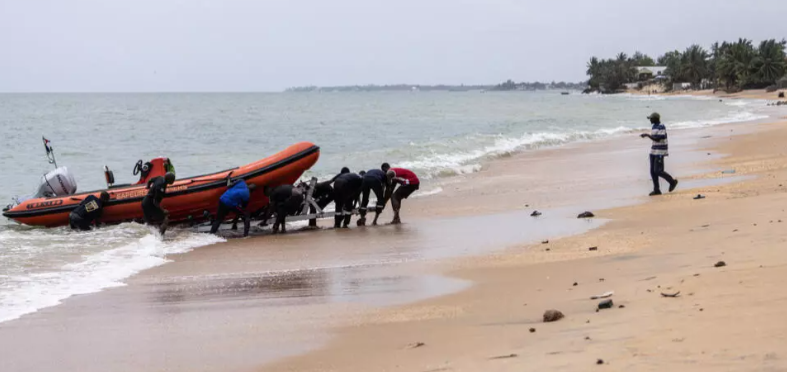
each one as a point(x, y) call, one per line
point(658, 150)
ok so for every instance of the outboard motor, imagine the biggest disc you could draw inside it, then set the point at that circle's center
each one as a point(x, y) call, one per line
point(59, 182)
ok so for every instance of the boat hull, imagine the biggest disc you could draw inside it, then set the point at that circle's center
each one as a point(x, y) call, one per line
point(186, 199)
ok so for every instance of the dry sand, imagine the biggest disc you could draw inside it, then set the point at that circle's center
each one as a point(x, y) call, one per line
point(726, 318)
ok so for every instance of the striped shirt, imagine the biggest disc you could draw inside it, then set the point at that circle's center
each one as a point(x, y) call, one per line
point(659, 136)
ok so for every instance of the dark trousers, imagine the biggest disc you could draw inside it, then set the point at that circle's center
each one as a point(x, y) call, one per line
point(220, 216)
point(77, 223)
point(370, 185)
point(345, 196)
point(657, 170)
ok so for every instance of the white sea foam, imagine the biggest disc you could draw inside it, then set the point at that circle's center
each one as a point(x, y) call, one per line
point(453, 163)
point(736, 117)
point(132, 248)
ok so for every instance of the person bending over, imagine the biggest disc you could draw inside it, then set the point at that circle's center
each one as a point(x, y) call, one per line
point(408, 183)
point(88, 212)
point(235, 199)
point(152, 211)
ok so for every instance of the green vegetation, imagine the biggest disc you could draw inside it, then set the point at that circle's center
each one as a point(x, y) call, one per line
point(511, 85)
point(729, 65)
point(505, 86)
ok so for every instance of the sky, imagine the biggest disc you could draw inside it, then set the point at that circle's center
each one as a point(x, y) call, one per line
point(269, 45)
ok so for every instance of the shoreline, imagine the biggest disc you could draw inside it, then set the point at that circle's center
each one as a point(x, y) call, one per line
point(456, 203)
point(404, 326)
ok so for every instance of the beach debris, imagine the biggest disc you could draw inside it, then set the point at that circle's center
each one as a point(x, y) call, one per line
point(552, 316)
point(728, 171)
point(603, 295)
point(504, 356)
point(586, 215)
point(535, 214)
point(600, 361)
point(576, 284)
point(593, 248)
point(676, 294)
point(622, 307)
point(606, 304)
point(699, 196)
point(532, 330)
point(545, 242)
point(720, 264)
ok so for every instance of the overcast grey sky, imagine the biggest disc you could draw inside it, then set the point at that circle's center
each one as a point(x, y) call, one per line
point(259, 45)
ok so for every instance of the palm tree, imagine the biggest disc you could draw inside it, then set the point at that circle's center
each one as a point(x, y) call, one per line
point(694, 64)
point(769, 65)
point(735, 65)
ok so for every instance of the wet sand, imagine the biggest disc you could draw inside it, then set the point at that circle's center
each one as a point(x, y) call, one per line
point(724, 318)
point(355, 299)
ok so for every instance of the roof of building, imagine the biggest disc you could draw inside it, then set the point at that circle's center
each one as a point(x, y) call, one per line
point(655, 70)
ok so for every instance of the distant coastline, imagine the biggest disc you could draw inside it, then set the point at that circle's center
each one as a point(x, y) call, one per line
point(508, 85)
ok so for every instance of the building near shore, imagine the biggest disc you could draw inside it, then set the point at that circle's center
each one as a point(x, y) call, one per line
point(645, 73)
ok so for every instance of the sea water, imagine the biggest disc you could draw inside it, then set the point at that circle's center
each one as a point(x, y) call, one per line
point(436, 134)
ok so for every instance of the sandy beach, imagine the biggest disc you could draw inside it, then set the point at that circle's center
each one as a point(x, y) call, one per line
point(723, 317)
point(459, 286)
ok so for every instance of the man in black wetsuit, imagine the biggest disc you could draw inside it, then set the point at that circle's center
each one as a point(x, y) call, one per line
point(284, 200)
point(88, 212)
point(151, 203)
point(373, 180)
point(346, 192)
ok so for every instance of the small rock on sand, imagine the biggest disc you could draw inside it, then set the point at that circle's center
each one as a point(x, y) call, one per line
point(545, 242)
point(532, 330)
point(576, 284)
point(600, 361)
point(606, 304)
point(593, 248)
point(720, 264)
point(552, 316)
point(535, 214)
point(586, 215)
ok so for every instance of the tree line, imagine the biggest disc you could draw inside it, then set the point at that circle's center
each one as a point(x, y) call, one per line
point(511, 85)
point(729, 65)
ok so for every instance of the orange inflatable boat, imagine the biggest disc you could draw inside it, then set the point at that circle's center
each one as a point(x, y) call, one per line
point(187, 199)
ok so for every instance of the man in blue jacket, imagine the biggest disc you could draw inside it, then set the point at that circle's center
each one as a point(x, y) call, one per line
point(235, 199)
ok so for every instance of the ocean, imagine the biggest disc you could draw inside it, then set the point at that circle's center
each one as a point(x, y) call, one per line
point(437, 134)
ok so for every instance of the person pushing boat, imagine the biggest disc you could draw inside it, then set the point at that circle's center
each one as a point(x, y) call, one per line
point(408, 183)
point(346, 192)
point(284, 200)
point(88, 212)
point(154, 214)
point(235, 199)
point(374, 180)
